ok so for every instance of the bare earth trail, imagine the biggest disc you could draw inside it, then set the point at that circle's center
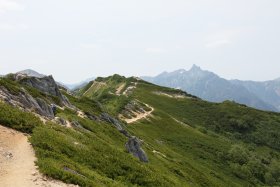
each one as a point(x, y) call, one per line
point(140, 116)
point(17, 167)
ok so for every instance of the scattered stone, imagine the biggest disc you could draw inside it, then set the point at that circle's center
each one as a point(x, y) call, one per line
point(77, 124)
point(8, 155)
point(60, 121)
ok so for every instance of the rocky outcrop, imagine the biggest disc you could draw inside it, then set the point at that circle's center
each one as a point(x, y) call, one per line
point(27, 102)
point(106, 117)
point(91, 117)
point(47, 109)
point(44, 84)
point(30, 101)
point(133, 146)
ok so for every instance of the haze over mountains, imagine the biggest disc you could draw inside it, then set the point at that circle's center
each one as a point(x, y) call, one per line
point(79, 84)
point(209, 86)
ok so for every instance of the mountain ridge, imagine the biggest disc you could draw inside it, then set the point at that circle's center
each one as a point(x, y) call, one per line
point(119, 131)
point(211, 87)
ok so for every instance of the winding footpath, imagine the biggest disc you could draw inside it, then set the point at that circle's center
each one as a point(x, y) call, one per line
point(17, 167)
point(140, 116)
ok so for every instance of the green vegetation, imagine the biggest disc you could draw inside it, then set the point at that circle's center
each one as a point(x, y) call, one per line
point(95, 158)
point(104, 89)
point(16, 88)
point(17, 119)
point(189, 142)
point(207, 136)
point(87, 105)
point(10, 85)
point(254, 167)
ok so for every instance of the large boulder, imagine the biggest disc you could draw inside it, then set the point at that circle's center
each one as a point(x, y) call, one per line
point(133, 146)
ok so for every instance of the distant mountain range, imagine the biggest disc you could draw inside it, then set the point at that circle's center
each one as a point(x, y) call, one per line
point(209, 86)
point(78, 85)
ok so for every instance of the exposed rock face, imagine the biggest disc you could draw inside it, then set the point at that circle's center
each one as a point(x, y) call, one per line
point(91, 117)
point(133, 146)
point(45, 107)
point(106, 117)
point(27, 102)
point(23, 99)
point(44, 84)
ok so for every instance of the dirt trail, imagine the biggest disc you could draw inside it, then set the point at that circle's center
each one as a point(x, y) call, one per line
point(140, 115)
point(120, 88)
point(88, 89)
point(17, 167)
point(98, 85)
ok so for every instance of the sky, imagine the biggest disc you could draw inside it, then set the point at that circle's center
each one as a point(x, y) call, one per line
point(74, 40)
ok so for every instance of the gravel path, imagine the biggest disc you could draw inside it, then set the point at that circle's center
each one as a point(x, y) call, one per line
point(17, 168)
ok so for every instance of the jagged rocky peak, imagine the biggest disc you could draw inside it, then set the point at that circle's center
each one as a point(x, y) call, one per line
point(43, 83)
point(180, 71)
point(195, 68)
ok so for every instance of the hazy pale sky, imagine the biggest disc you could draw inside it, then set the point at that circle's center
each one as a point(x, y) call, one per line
point(74, 40)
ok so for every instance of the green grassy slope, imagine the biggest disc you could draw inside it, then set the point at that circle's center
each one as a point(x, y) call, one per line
point(104, 90)
point(200, 143)
point(189, 142)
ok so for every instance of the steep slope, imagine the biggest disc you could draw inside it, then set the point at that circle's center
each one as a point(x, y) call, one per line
point(210, 87)
point(178, 140)
point(199, 140)
point(268, 91)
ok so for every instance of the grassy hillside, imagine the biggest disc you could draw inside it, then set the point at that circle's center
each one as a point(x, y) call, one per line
point(207, 144)
point(108, 91)
point(189, 142)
